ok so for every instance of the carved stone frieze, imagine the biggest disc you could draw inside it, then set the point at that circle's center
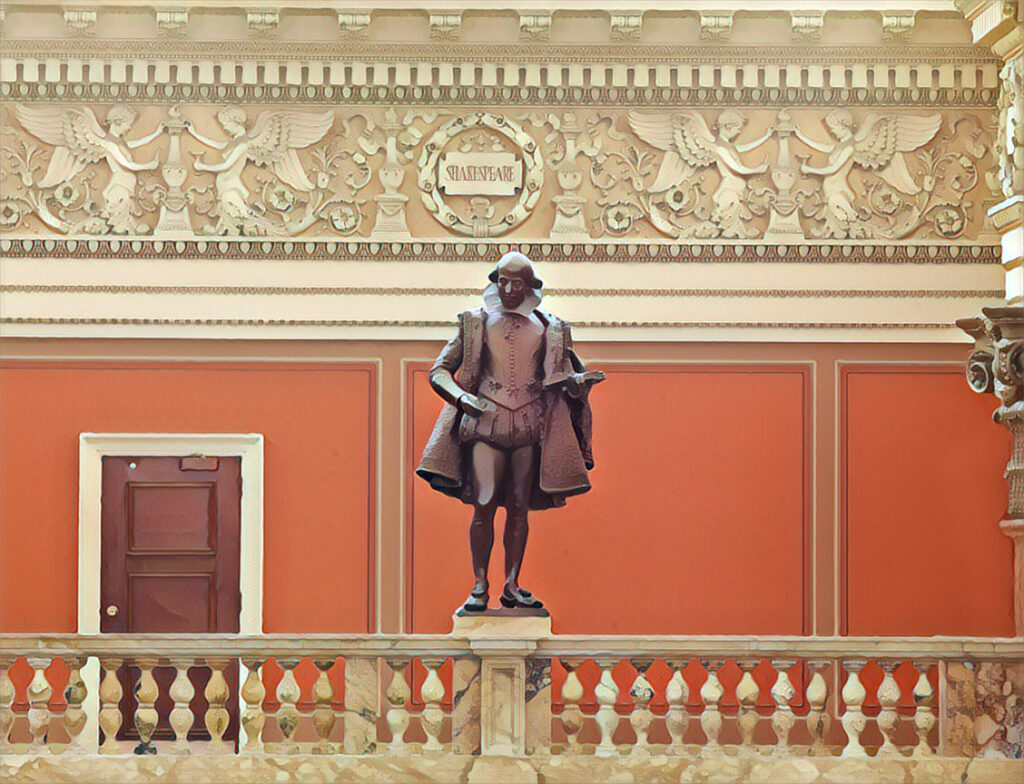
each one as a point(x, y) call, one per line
point(788, 176)
point(354, 249)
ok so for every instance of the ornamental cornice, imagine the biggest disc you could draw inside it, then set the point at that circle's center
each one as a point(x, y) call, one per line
point(457, 291)
point(895, 52)
point(497, 97)
point(548, 252)
point(336, 323)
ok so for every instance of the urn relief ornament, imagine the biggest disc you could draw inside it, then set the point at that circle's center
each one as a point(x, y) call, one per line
point(516, 430)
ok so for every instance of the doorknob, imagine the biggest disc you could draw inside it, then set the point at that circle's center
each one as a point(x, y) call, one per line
point(112, 610)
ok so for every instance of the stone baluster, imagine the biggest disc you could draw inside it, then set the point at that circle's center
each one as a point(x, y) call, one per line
point(39, 693)
point(253, 718)
point(398, 694)
point(818, 719)
point(641, 717)
point(217, 716)
point(572, 715)
point(711, 717)
point(323, 713)
point(74, 716)
point(287, 715)
point(747, 692)
point(924, 717)
point(110, 705)
point(888, 697)
point(181, 692)
point(146, 693)
point(432, 694)
point(854, 721)
point(606, 692)
point(782, 692)
point(6, 703)
point(677, 719)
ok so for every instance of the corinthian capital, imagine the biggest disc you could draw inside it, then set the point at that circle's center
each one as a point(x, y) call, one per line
point(997, 363)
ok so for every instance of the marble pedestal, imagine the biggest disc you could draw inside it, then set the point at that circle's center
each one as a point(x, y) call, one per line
point(502, 624)
point(503, 639)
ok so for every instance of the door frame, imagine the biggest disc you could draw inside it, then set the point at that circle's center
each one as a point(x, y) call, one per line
point(92, 448)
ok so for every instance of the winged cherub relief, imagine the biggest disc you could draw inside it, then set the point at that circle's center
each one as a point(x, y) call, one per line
point(271, 142)
point(79, 139)
point(689, 145)
point(877, 146)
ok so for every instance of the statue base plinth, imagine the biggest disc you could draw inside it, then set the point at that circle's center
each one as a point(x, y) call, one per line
point(515, 623)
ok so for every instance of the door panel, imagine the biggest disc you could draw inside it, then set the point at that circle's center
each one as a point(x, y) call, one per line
point(172, 518)
point(170, 602)
point(170, 563)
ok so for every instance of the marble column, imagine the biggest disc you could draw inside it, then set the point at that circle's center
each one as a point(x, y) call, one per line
point(997, 366)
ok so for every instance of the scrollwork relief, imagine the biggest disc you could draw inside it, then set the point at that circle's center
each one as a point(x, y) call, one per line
point(789, 176)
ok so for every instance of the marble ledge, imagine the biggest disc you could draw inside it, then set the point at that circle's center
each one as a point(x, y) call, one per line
point(452, 768)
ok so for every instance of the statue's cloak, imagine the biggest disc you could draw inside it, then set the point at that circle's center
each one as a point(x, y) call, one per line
point(565, 448)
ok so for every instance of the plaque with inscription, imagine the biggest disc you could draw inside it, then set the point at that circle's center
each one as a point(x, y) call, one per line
point(479, 174)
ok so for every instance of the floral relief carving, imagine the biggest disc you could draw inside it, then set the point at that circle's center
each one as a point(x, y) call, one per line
point(789, 176)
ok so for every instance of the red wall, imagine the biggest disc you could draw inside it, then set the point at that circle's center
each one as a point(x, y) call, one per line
point(713, 482)
point(317, 421)
point(697, 521)
point(923, 464)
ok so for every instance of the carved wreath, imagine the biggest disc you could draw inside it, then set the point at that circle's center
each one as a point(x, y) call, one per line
point(533, 164)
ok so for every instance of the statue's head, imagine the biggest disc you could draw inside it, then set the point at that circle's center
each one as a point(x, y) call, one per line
point(841, 124)
point(120, 120)
point(729, 124)
point(232, 119)
point(515, 279)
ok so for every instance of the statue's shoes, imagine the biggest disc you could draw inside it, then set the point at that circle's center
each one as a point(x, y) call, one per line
point(519, 597)
point(477, 602)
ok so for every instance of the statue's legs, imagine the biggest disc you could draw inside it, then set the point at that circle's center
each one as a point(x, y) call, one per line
point(521, 470)
point(522, 466)
point(488, 465)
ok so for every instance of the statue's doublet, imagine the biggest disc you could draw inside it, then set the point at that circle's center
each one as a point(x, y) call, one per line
point(564, 421)
point(511, 382)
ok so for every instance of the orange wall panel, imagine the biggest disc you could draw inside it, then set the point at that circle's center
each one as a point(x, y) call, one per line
point(923, 464)
point(317, 420)
point(697, 521)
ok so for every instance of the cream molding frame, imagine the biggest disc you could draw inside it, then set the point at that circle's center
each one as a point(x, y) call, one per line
point(93, 447)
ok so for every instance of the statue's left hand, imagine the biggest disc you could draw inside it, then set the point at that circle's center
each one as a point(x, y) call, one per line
point(577, 382)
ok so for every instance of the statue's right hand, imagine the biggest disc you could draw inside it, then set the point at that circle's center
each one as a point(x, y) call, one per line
point(470, 404)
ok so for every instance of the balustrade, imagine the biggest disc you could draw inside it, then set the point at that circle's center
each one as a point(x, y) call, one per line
point(392, 701)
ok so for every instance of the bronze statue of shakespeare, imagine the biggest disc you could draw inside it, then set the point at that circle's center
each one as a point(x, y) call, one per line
point(516, 430)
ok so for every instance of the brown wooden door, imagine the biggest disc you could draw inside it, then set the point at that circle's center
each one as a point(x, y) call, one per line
point(170, 563)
